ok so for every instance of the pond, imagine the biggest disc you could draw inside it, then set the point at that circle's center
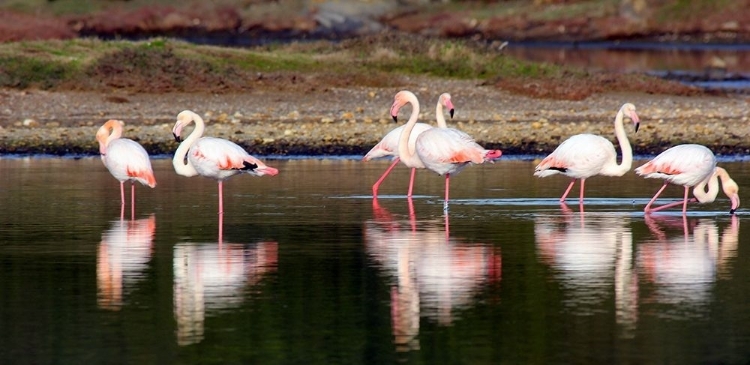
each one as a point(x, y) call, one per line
point(310, 269)
point(710, 66)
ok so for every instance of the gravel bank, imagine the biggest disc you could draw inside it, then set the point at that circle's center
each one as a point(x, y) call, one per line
point(350, 121)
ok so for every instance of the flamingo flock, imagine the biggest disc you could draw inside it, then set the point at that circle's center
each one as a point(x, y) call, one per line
point(443, 150)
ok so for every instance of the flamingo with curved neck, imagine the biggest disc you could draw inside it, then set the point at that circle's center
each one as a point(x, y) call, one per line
point(585, 155)
point(125, 159)
point(445, 151)
point(212, 157)
point(690, 165)
point(388, 146)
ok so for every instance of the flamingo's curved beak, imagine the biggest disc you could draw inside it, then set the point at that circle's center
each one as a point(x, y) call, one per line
point(735, 203)
point(449, 105)
point(177, 138)
point(635, 119)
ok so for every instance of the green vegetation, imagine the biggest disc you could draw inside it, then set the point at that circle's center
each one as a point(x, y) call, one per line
point(165, 65)
point(695, 9)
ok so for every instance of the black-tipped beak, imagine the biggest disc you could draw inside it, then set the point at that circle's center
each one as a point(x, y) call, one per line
point(636, 127)
point(451, 113)
point(176, 138)
point(395, 118)
point(731, 211)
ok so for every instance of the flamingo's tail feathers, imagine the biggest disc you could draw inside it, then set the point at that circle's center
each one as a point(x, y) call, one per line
point(266, 170)
point(550, 166)
point(248, 166)
point(377, 152)
point(145, 177)
point(646, 169)
point(492, 155)
point(464, 156)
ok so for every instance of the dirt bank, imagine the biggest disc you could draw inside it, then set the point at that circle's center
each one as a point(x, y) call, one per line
point(351, 120)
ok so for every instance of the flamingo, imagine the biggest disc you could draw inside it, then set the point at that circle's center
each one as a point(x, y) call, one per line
point(690, 165)
point(124, 158)
point(585, 155)
point(212, 157)
point(388, 146)
point(445, 151)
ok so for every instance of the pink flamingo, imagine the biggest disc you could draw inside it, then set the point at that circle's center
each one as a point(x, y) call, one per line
point(585, 155)
point(124, 158)
point(690, 165)
point(445, 151)
point(388, 146)
point(212, 157)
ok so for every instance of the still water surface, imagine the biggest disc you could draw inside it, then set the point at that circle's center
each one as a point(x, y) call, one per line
point(311, 270)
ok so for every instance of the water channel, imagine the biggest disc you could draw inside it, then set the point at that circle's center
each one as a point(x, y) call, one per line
point(310, 269)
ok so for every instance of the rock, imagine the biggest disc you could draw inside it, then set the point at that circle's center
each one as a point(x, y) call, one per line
point(30, 123)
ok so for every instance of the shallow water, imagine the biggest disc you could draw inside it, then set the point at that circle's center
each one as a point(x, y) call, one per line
point(710, 66)
point(310, 269)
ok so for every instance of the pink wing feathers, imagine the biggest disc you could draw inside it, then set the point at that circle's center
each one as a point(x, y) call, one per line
point(126, 159)
point(219, 158)
point(687, 164)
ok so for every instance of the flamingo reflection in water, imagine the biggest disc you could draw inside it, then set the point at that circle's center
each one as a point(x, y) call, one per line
point(685, 258)
point(211, 277)
point(435, 274)
point(591, 254)
point(122, 258)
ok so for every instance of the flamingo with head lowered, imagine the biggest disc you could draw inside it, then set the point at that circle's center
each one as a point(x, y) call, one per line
point(124, 158)
point(212, 157)
point(690, 165)
point(585, 155)
point(388, 146)
point(445, 151)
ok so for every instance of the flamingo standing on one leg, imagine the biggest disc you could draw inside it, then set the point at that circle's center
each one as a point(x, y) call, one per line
point(125, 159)
point(690, 165)
point(212, 157)
point(445, 151)
point(584, 155)
point(388, 146)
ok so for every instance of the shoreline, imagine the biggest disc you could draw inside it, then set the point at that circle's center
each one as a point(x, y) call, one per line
point(349, 121)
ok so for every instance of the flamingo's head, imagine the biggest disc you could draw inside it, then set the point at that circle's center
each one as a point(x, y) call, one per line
point(402, 98)
point(445, 99)
point(628, 110)
point(184, 118)
point(103, 135)
point(730, 187)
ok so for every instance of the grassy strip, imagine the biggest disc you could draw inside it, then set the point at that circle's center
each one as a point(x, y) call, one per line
point(165, 65)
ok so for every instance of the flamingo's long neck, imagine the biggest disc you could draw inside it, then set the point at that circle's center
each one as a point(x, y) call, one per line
point(627, 151)
point(700, 193)
point(105, 137)
point(439, 116)
point(407, 155)
point(182, 165)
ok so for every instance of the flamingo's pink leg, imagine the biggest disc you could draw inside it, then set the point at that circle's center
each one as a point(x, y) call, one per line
point(580, 196)
point(648, 209)
point(565, 194)
point(221, 229)
point(132, 200)
point(221, 197)
point(447, 190)
point(672, 204)
point(684, 205)
point(122, 193)
point(411, 181)
point(376, 186)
